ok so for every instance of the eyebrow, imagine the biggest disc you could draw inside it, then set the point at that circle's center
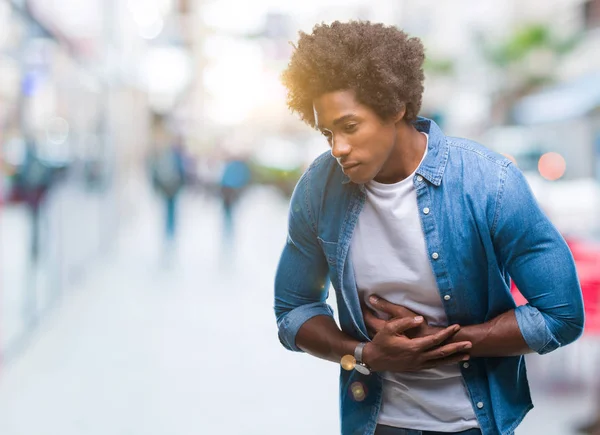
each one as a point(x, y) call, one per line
point(340, 120)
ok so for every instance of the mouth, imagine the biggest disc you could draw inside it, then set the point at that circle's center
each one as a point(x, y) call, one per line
point(349, 166)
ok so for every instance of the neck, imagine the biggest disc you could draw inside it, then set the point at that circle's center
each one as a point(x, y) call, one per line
point(406, 155)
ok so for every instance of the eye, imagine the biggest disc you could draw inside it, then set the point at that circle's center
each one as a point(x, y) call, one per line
point(350, 128)
point(326, 133)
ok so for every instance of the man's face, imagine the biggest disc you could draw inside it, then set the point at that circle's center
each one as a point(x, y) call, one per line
point(359, 139)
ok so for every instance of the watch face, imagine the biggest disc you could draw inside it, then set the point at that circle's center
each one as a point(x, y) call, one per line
point(360, 368)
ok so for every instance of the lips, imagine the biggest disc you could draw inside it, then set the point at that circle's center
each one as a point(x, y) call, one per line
point(347, 166)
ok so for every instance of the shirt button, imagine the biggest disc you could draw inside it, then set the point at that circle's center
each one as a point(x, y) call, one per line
point(419, 178)
point(426, 210)
point(447, 297)
point(435, 255)
point(466, 365)
point(480, 405)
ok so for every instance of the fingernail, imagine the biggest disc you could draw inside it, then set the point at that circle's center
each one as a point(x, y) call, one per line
point(467, 346)
point(418, 319)
point(466, 358)
point(374, 299)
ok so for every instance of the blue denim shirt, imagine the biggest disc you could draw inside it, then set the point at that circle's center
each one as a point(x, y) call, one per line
point(486, 228)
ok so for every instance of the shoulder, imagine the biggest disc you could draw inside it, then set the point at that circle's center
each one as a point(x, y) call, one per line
point(475, 171)
point(322, 171)
point(322, 165)
point(321, 192)
point(475, 152)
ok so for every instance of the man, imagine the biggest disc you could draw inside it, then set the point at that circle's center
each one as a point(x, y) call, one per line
point(167, 165)
point(427, 231)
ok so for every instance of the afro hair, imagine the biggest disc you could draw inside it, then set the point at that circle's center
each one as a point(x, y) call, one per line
point(381, 64)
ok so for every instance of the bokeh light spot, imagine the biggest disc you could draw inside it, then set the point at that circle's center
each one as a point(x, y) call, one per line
point(358, 391)
point(348, 362)
point(552, 166)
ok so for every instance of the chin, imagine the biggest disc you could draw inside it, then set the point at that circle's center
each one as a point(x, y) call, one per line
point(360, 174)
point(361, 178)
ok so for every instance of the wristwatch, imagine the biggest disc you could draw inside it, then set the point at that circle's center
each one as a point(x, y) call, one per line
point(360, 366)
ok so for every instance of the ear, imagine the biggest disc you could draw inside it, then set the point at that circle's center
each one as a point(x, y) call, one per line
point(399, 116)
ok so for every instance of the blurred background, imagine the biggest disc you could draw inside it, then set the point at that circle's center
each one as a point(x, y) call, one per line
point(147, 158)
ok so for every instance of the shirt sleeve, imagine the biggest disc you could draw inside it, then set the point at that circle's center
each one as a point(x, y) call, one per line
point(301, 284)
point(539, 261)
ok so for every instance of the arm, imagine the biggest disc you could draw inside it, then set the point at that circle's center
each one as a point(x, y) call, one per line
point(301, 285)
point(390, 350)
point(539, 261)
point(500, 336)
point(321, 337)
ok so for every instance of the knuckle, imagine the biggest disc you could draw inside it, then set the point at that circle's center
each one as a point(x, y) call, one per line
point(446, 350)
point(424, 344)
point(410, 348)
point(414, 348)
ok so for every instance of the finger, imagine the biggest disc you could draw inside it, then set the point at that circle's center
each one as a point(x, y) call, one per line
point(372, 321)
point(436, 339)
point(390, 308)
point(448, 350)
point(454, 359)
point(383, 305)
point(398, 326)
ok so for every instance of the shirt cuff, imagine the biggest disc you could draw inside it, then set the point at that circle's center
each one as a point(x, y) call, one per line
point(290, 324)
point(533, 327)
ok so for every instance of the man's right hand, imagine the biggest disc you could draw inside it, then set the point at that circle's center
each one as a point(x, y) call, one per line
point(392, 351)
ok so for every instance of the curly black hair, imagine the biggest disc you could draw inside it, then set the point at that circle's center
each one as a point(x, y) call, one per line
point(381, 64)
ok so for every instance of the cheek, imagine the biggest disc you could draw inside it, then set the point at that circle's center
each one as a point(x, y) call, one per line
point(383, 144)
point(375, 145)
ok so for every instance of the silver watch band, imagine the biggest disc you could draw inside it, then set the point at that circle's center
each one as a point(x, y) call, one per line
point(358, 352)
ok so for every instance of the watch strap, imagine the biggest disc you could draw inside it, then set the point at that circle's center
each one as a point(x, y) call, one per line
point(358, 352)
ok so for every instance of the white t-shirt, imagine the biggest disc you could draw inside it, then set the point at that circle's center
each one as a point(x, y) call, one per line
point(390, 259)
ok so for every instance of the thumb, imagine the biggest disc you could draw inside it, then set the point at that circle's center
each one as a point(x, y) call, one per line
point(400, 325)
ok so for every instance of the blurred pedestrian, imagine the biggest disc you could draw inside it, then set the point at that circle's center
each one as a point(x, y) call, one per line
point(31, 184)
point(234, 180)
point(416, 231)
point(169, 177)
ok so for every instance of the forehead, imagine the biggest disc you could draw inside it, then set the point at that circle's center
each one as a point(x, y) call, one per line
point(333, 105)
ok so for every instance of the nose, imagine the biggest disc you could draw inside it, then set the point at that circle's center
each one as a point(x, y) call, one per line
point(340, 148)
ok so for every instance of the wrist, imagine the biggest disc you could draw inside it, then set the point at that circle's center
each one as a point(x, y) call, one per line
point(368, 356)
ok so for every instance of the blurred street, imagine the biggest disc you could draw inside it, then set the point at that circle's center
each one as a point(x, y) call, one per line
point(189, 345)
point(144, 348)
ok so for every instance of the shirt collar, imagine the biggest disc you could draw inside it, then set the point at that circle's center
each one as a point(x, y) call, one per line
point(433, 166)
